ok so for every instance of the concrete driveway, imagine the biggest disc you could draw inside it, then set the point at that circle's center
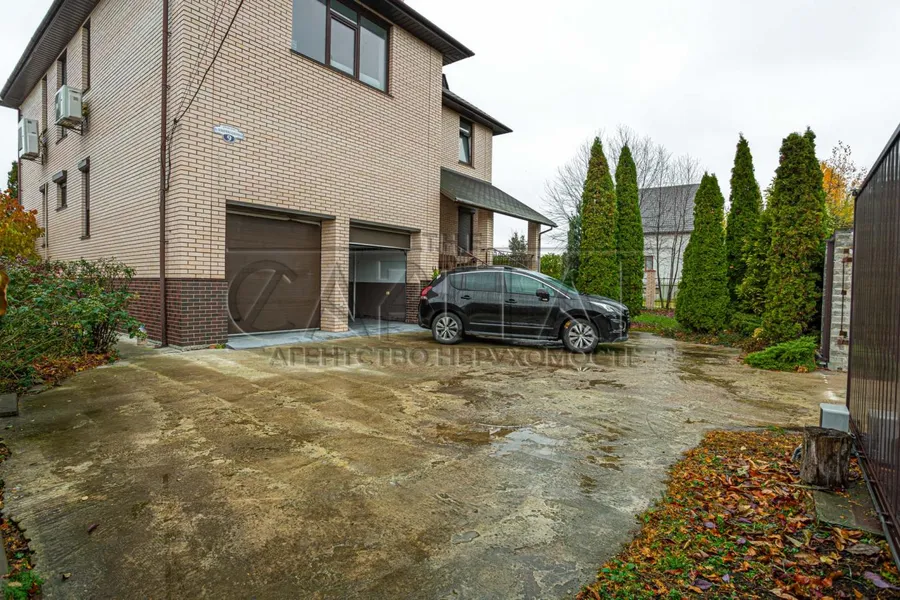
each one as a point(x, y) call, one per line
point(368, 468)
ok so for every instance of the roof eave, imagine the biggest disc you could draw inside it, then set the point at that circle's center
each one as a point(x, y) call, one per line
point(470, 111)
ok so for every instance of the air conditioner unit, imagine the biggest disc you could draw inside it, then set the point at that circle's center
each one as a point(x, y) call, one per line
point(68, 107)
point(29, 140)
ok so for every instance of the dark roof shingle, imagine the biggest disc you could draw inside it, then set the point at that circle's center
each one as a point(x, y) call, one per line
point(481, 194)
point(668, 209)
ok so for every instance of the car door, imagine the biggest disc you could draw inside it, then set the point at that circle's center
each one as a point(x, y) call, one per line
point(481, 299)
point(531, 308)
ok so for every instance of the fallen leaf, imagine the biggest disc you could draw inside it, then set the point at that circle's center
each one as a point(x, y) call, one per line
point(864, 550)
point(878, 582)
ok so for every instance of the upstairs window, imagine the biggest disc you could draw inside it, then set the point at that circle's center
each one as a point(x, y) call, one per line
point(465, 142)
point(342, 37)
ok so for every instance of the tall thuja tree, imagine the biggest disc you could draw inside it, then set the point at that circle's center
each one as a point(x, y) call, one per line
point(797, 208)
point(743, 216)
point(572, 256)
point(629, 232)
point(703, 301)
point(752, 290)
point(598, 272)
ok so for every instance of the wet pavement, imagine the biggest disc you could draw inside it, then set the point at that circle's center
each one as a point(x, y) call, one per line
point(368, 468)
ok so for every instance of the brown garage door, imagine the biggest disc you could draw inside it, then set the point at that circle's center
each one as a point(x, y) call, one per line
point(273, 269)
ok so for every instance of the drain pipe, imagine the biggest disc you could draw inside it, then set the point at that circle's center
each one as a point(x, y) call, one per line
point(163, 143)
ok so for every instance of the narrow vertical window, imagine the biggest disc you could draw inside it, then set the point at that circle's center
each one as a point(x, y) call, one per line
point(62, 68)
point(45, 210)
point(373, 54)
point(309, 28)
point(85, 168)
point(86, 57)
point(343, 38)
point(465, 142)
point(61, 190)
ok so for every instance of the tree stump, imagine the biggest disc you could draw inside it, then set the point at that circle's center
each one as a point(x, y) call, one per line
point(826, 458)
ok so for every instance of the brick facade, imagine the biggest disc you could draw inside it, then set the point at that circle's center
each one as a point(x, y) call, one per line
point(315, 141)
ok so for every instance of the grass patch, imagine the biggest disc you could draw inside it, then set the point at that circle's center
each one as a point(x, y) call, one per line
point(795, 355)
point(663, 323)
point(734, 524)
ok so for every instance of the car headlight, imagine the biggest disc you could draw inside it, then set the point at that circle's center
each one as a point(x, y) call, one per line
point(607, 307)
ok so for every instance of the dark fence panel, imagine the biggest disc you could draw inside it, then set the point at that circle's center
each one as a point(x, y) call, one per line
point(872, 395)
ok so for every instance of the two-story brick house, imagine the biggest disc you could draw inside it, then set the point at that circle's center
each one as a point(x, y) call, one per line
point(307, 165)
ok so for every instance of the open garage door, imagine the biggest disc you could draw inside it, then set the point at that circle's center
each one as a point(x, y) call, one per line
point(273, 267)
point(377, 274)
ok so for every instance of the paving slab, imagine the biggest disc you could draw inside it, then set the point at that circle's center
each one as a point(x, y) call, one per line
point(853, 509)
point(9, 405)
point(368, 468)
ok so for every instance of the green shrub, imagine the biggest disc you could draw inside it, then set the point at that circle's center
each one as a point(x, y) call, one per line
point(629, 233)
point(598, 270)
point(59, 310)
point(552, 265)
point(745, 324)
point(746, 205)
point(795, 355)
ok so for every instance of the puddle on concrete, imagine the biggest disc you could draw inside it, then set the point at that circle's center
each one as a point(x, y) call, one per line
point(526, 440)
point(609, 382)
point(606, 462)
point(587, 484)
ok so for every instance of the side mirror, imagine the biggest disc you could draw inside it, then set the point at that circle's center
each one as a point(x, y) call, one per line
point(544, 295)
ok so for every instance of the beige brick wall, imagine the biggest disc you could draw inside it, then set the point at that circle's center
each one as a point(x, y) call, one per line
point(316, 140)
point(121, 141)
point(482, 139)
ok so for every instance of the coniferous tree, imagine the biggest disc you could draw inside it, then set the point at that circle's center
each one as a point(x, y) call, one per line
point(743, 216)
point(572, 256)
point(798, 235)
point(752, 290)
point(598, 272)
point(630, 232)
point(703, 299)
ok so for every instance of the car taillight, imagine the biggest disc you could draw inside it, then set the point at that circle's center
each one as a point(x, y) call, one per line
point(426, 290)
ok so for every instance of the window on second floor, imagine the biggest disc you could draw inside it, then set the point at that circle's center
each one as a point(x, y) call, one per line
point(343, 38)
point(465, 141)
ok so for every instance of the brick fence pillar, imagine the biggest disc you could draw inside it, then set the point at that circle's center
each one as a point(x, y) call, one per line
point(335, 274)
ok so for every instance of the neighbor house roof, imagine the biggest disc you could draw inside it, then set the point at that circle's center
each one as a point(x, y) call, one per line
point(65, 17)
point(481, 194)
point(668, 209)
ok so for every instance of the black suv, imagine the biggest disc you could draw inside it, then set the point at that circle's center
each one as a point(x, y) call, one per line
point(516, 304)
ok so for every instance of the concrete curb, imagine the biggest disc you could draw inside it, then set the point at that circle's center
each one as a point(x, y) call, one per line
point(9, 405)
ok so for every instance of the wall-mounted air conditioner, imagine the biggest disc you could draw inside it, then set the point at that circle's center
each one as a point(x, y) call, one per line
point(29, 140)
point(68, 107)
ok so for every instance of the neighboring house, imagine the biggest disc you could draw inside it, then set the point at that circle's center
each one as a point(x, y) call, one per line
point(320, 174)
point(667, 214)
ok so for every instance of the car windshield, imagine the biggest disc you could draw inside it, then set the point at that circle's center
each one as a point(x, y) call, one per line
point(558, 284)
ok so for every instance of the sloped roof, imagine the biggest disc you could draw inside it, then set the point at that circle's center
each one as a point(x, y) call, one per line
point(481, 194)
point(668, 209)
point(65, 17)
point(472, 112)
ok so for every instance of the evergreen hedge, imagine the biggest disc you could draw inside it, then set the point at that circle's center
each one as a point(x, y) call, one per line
point(629, 233)
point(703, 302)
point(743, 216)
point(798, 222)
point(752, 290)
point(598, 272)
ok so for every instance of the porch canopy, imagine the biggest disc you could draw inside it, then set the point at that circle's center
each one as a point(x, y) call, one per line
point(481, 194)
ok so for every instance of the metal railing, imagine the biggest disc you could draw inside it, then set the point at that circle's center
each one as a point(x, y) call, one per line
point(873, 389)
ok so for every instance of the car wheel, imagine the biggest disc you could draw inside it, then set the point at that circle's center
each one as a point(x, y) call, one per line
point(447, 328)
point(581, 336)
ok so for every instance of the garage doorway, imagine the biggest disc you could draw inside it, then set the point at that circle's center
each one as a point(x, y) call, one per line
point(377, 282)
point(273, 268)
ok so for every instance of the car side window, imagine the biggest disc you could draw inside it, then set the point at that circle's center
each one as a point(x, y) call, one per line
point(482, 282)
point(519, 284)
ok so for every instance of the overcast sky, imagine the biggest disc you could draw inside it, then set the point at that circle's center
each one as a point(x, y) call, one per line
point(690, 74)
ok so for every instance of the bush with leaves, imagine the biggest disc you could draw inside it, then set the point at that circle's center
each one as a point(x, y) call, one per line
point(59, 310)
point(703, 302)
point(794, 355)
point(19, 231)
point(552, 265)
point(598, 272)
point(798, 221)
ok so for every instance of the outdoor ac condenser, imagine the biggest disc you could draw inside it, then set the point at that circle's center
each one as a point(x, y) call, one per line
point(29, 140)
point(68, 107)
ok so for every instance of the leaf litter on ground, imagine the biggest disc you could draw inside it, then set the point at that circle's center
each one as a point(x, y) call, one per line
point(736, 523)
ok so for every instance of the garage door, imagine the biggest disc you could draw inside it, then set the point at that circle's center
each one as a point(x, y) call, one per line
point(273, 267)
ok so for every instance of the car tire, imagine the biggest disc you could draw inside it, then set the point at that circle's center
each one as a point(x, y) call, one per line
point(580, 336)
point(447, 328)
